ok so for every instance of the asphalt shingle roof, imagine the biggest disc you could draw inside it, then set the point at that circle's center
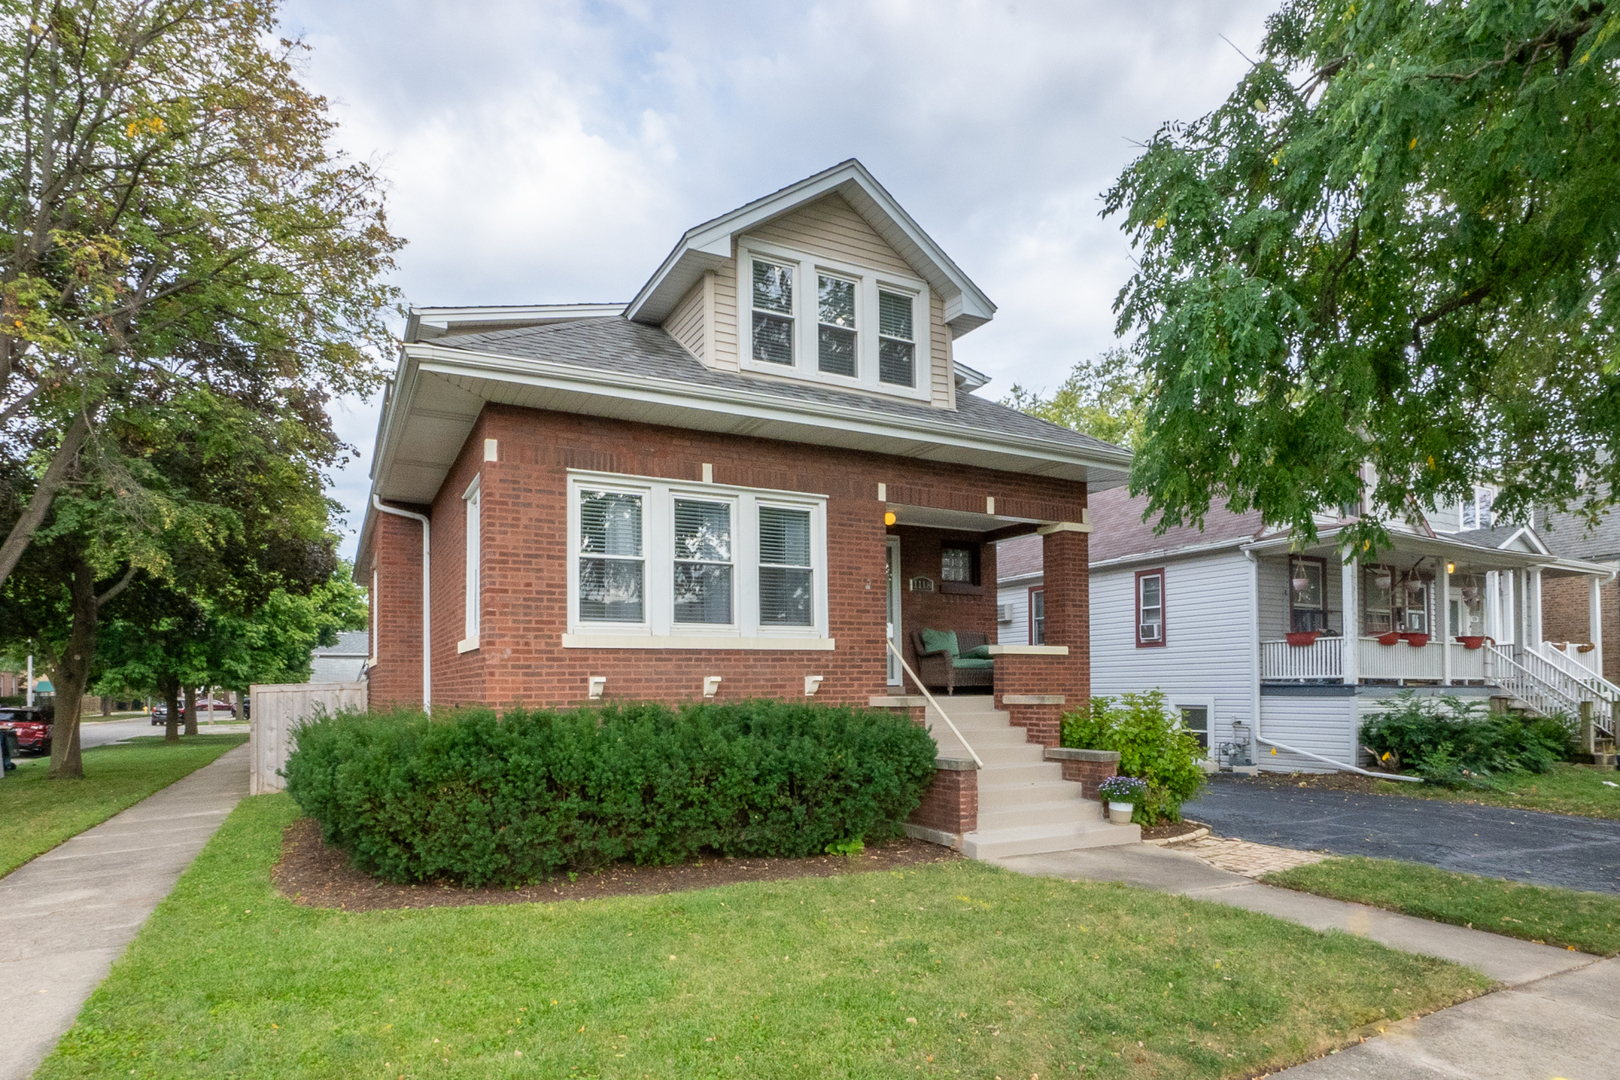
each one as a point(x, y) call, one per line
point(616, 344)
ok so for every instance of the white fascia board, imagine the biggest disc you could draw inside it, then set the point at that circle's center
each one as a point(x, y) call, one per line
point(705, 246)
point(1167, 554)
point(401, 388)
point(1530, 534)
point(626, 386)
point(1442, 544)
point(967, 378)
point(445, 319)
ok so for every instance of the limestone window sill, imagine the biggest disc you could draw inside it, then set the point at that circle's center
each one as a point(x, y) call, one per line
point(467, 645)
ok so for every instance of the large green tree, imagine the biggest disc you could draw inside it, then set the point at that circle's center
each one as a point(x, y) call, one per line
point(1396, 244)
point(1104, 396)
point(173, 219)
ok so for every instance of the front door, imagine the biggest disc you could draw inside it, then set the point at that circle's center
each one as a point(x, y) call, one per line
point(892, 583)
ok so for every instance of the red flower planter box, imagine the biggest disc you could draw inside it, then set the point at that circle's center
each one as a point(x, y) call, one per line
point(1301, 638)
point(1472, 641)
point(1417, 641)
point(1390, 638)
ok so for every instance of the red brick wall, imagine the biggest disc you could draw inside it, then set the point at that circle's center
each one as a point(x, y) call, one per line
point(952, 802)
point(1041, 723)
point(524, 522)
point(1088, 774)
point(1565, 616)
point(1068, 612)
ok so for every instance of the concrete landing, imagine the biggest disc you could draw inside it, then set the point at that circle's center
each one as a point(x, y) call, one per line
point(71, 912)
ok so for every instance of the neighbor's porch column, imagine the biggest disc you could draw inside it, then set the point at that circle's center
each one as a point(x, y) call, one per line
point(1350, 618)
point(1443, 614)
point(1594, 614)
point(1532, 609)
point(1065, 551)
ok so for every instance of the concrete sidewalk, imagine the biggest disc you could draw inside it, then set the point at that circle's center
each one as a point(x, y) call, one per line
point(73, 910)
point(1560, 1017)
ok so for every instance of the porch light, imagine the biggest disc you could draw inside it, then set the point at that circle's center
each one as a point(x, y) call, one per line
point(1451, 568)
point(888, 518)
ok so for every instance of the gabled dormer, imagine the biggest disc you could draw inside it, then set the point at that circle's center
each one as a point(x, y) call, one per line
point(827, 281)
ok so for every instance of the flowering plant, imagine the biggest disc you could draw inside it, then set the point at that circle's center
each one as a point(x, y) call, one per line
point(1123, 789)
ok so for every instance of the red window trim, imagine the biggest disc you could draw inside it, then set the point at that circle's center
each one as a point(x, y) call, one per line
point(1033, 589)
point(1136, 629)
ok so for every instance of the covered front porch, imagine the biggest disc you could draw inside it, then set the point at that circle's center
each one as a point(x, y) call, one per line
point(1432, 611)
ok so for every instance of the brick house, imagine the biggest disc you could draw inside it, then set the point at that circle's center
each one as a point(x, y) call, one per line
point(752, 480)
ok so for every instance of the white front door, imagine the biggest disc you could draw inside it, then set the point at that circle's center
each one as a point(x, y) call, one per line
point(892, 583)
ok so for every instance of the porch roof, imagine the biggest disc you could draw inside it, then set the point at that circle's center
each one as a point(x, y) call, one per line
point(1467, 549)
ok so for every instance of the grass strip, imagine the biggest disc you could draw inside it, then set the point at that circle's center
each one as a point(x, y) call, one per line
point(1586, 921)
point(37, 814)
point(1568, 789)
point(947, 969)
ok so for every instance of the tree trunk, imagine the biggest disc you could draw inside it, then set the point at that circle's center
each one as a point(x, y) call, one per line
point(106, 706)
point(72, 674)
point(191, 710)
point(170, 687)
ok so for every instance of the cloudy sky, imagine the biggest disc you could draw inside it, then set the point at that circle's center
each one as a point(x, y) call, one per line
point(547, 152)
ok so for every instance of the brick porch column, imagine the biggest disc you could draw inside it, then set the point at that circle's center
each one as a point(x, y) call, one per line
point(1065, 554)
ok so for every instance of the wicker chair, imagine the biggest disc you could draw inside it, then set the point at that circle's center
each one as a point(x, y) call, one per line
point(937, 669)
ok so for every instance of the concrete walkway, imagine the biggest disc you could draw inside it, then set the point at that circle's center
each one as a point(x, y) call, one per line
point(1560, 1017)
point(72, 911)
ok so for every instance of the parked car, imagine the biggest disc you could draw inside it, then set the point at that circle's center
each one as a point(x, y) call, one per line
point(160, 711)
point(32, 727)
point(160, 714)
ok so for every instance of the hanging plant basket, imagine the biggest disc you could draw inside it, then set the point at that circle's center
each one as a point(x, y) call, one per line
point(1472, 641)
point(1417, 641)
point(1383, 580)
point(1390, 638)
point(1300, 583)
point(1299, 639)
point(1588, 647)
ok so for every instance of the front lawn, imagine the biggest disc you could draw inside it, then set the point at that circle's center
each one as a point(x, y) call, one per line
point(37, 814)
point(1587, 921)
point(949, 968)
point(1567, 789)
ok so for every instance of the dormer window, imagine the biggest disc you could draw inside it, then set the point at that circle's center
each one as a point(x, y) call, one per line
point(836, 333)
point(860, 327)
point(897, 346)
point(773, 313)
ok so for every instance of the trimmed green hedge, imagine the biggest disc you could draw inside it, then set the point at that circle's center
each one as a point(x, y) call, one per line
point(486, 800)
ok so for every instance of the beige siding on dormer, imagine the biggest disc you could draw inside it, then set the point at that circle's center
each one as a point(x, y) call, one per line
point(725, 316)
point(832, 229)
point(685, 323)
point(942, 393)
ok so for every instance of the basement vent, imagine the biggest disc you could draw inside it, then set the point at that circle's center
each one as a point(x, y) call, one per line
point(922, 584)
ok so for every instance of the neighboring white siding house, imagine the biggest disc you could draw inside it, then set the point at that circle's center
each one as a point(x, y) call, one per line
point(1277, 652)
point(1204, 660)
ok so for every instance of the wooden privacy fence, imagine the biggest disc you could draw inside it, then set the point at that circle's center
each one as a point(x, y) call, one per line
point(278, 710)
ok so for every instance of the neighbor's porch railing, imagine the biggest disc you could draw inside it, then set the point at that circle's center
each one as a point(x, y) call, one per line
point(1320, 661)
point(1323, 661)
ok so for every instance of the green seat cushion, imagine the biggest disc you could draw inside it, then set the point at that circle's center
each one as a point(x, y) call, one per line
point(973, 665)
point(935, 640)
point(978, 652)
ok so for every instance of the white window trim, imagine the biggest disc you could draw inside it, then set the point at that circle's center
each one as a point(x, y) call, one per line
point(1176, 702)
point(658, 629)
point(473, 568)
point(807, 322)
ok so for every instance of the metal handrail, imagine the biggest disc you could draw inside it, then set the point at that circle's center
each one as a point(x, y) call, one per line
point(977, 760)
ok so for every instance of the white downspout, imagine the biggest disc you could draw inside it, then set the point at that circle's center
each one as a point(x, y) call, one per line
point(1254, 597)
point(1254, 637)
point(427, 601)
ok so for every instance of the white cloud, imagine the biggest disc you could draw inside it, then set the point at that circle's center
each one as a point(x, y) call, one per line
point(556, 151)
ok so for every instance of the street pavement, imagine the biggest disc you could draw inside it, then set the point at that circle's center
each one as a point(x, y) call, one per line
point(1558, 1017)
point(1521, 845)
point(73, 910)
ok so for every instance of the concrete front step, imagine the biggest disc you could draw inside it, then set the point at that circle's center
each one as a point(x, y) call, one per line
point(1040, 813)
point(1040, 839)
point(1032, 772)
point(1021, 754)
point(999, 796)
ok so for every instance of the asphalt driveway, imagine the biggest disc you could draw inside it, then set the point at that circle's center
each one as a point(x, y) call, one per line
point(1548, 849)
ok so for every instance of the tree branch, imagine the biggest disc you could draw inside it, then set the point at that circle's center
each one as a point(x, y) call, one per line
point(39, 504)
point(123, 583)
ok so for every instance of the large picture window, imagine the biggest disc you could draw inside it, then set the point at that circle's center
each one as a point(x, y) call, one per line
point(1149, 608)
point(722, 567)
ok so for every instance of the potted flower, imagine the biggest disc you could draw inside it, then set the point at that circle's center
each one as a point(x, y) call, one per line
point(1122, 794)
point(1390, 638)
point(1417, 641)
point(1472, 641)
point(1301, 638)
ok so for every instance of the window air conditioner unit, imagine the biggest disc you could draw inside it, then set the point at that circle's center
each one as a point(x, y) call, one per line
point(1004, 613)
